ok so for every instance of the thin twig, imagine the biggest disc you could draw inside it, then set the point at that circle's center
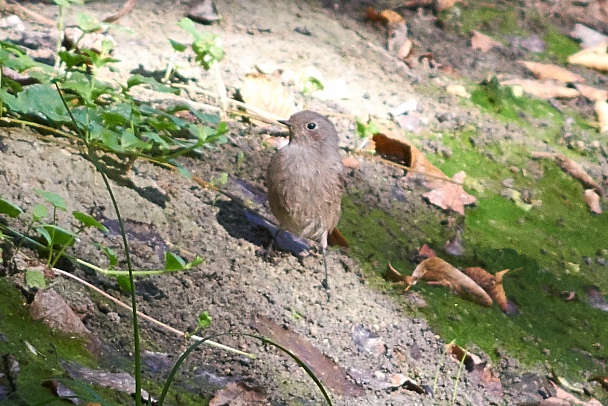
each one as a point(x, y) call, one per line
point(150, 319)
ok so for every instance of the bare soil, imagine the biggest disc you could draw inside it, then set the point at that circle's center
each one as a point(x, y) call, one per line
point(236, 283)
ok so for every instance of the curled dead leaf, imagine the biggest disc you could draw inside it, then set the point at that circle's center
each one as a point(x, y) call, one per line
point(390, 16)
point(592, 200)
point(458, 90)
point(602, 380)
point(594, 58)
point(267, 94)
point(576, 171)
point(546, 71)
point(436, 271)
point(542, 90)
point(592, 93)
point(450, 195)
point(601, 109)
point(393, 275)
point(483, 42)
point(493, 286)
point(426, 252)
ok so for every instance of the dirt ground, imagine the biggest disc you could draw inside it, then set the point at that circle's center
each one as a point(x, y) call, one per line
point(236, 283)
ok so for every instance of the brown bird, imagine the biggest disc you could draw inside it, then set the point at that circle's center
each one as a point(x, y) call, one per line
point(305, 179)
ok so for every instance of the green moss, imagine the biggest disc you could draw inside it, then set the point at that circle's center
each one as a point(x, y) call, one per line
point(52, 347)
point(559, 46)
point(545, 248)
point(500, 20)
point(17, 329)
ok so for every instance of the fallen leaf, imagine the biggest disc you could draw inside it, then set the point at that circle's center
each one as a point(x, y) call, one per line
point(458, 90)
point(351, 162)
point(589, 37)
point(406, 49)
point(601, 109)
point(450, 195)
point(390, 16)
point(267, 94)
point(480, 371)
point(592, 200)
point(482, 277)
point(238, 393)
point(543, 90)
point(426, 252)
point(602, 380)
point(393, 275)
point(336, 239)
point(493, 286)
point(577, 172)
point(546, 71)
point(441, 5)
point(436, 271)
point(591, 93)
point(572, 168)
point(483, 42)
point(326, 370)
point(594, 58)
point(396, 149)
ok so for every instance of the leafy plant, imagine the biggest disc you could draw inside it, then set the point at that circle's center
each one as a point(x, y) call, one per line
point(209, 51)
point(63, 5)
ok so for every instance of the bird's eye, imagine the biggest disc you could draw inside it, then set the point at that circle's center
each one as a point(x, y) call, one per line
point(311, 126)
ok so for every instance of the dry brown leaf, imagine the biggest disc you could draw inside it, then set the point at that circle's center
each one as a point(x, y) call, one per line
point(602, 380)
point(601, 109)
point(426, 252)
point(350, 162)
point(393, 275)
point(390, 16)
point(436, 271)
point(336, 239)
point(592, 200)
point(450, 195)
point(395, 148)
point(594, 58)
point(545, 71)
point(441, 5)
point(482, 277)
point(577, 172)
point(458, 90)
point(484, 42)
point(269, 95)
point(543, 90)
point(592, 93)
point(406, 49)
point(238, 393)
point(492, 284)
point(572, 168)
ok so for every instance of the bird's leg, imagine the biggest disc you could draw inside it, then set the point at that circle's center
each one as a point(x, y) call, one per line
point(269, 255)
point(325, 282)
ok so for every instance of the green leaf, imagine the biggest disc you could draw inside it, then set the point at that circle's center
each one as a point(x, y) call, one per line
point(124, 283)
point(41, 100)
point(88, 23)
point(56, 235)
point(54, 199)
point(138, 79)
point(204, 320)
point(45, 234)
point(40, 212)
point(174, 262)
point(178, 46)
point(34, 279)
point(89, 221)
point(110, 254)
point(10, 209)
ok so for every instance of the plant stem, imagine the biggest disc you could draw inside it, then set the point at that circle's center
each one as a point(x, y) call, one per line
point(221, 88)
point(60, 27)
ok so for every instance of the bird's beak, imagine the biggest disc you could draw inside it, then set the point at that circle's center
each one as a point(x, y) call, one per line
point(285, 123)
